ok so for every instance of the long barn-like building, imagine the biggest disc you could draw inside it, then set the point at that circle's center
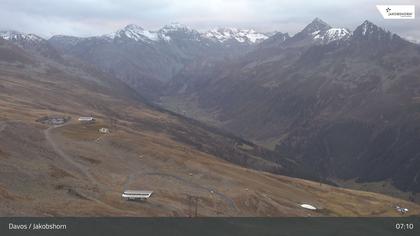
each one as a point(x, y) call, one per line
point(137, 194)
point(86, 119)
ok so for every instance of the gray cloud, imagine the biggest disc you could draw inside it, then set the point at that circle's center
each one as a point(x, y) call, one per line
point(93, 17)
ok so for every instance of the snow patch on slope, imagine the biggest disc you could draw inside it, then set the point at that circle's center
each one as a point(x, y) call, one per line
point(15, 36)
point(240, 35)
point(332, 34)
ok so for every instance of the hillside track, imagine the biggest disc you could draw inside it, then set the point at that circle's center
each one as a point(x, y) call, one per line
point(68, 158)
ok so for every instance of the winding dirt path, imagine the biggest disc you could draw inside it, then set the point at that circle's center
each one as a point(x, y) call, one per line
point(85, 171)
point(79, 167)
point(69, 159)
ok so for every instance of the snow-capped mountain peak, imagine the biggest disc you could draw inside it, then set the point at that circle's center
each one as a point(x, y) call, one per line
point(133, 27)
point(369, 31)
point(32, 42)
point(240, 35)
point(321, 32)
point(368, 27)
point(136, 33)
point(316, 25)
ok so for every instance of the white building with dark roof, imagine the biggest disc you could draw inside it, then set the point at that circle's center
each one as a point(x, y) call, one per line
point(136, 194)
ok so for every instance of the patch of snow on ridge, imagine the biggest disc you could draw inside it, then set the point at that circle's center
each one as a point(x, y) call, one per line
point(332, 34)
point(364, 28)
point(336, 34)
point(240, 35)
point(14, 35)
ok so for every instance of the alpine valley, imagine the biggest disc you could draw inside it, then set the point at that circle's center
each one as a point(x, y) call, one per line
point(250, 123)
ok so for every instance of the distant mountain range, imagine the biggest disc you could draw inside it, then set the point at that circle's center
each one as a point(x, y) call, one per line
point(248, 36)
point(342, 103)
point(147, 59)
point(221, 35)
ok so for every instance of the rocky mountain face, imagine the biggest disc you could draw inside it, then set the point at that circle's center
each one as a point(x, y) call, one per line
point(343, 103)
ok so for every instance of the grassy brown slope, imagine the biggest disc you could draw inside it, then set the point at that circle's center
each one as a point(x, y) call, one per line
point(147, 149)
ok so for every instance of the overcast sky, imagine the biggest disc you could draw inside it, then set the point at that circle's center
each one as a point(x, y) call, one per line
point(94, 17)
